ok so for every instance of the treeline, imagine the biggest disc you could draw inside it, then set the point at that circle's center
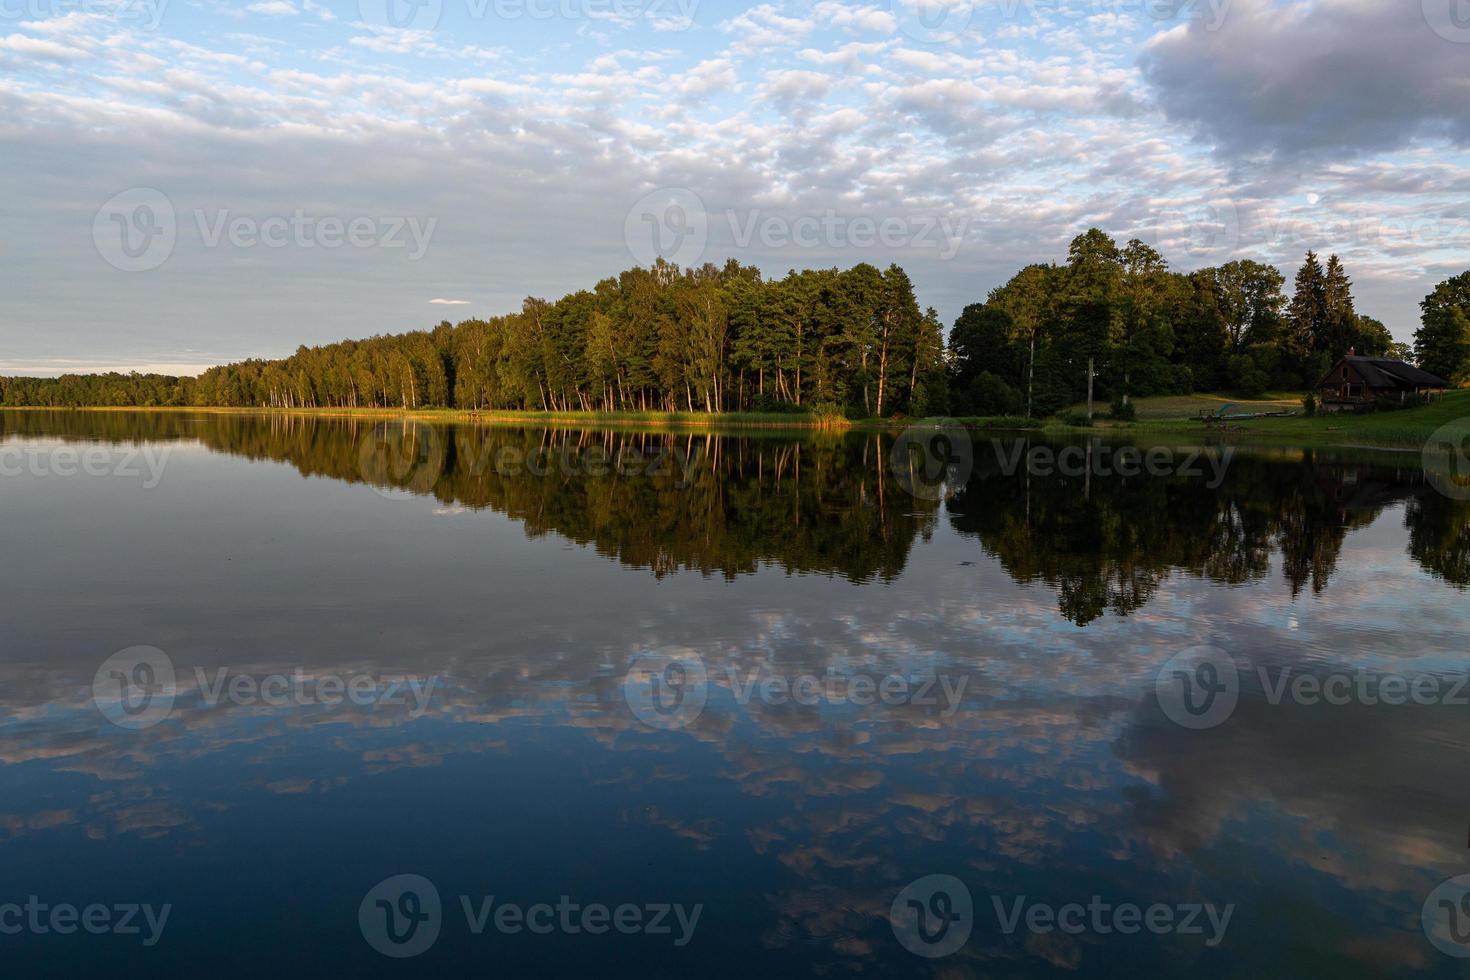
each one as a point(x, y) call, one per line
point(709, 339)
point(77, 390)
point(851, 342)
point(1149, 331)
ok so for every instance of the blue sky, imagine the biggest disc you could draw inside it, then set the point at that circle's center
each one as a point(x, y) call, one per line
point(190, 182)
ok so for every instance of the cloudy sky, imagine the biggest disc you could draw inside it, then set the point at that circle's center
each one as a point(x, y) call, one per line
point(193, 181)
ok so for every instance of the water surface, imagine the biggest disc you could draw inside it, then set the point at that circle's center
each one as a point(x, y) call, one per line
point(535, 582)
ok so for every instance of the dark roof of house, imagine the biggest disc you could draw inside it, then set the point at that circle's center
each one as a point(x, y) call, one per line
point(1385, 372)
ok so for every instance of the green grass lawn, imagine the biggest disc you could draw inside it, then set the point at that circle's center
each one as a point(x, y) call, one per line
point(1191, 406)
point(1408, 428)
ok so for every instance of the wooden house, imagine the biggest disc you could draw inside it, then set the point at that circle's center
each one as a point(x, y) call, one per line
point(1359, 382)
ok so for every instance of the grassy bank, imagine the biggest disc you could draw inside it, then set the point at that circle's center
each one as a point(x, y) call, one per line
point(694, 420)
point(1173, 418)
point(1409, 428)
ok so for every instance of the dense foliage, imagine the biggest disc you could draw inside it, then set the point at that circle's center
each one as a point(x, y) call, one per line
point(853, 342)
point(709, 339)
point(1150, 331)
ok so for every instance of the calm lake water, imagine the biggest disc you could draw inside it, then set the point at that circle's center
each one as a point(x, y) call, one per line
point(666, 705)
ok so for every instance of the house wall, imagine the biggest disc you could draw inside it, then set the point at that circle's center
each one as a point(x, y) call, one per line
point(1336, 386)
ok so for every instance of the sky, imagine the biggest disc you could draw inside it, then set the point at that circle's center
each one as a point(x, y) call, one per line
point(190, 182)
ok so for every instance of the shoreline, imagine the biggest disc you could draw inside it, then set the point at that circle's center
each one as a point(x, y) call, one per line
point(1386, 430)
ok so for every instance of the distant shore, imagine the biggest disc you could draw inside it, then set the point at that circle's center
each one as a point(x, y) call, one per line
point(1170, 417)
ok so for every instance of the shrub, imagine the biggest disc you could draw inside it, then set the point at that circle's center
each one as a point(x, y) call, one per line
point(1078, 419)
point(1123, 411)
point(990, 394)
point(1309, 404)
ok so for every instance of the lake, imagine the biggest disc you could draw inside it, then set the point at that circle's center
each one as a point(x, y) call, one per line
point(291, 696)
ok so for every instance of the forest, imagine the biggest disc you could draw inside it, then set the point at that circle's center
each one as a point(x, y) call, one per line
point(849, 342)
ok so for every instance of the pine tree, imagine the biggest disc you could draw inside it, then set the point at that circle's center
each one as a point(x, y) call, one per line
point(1307, 314)
point(1339, 319)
